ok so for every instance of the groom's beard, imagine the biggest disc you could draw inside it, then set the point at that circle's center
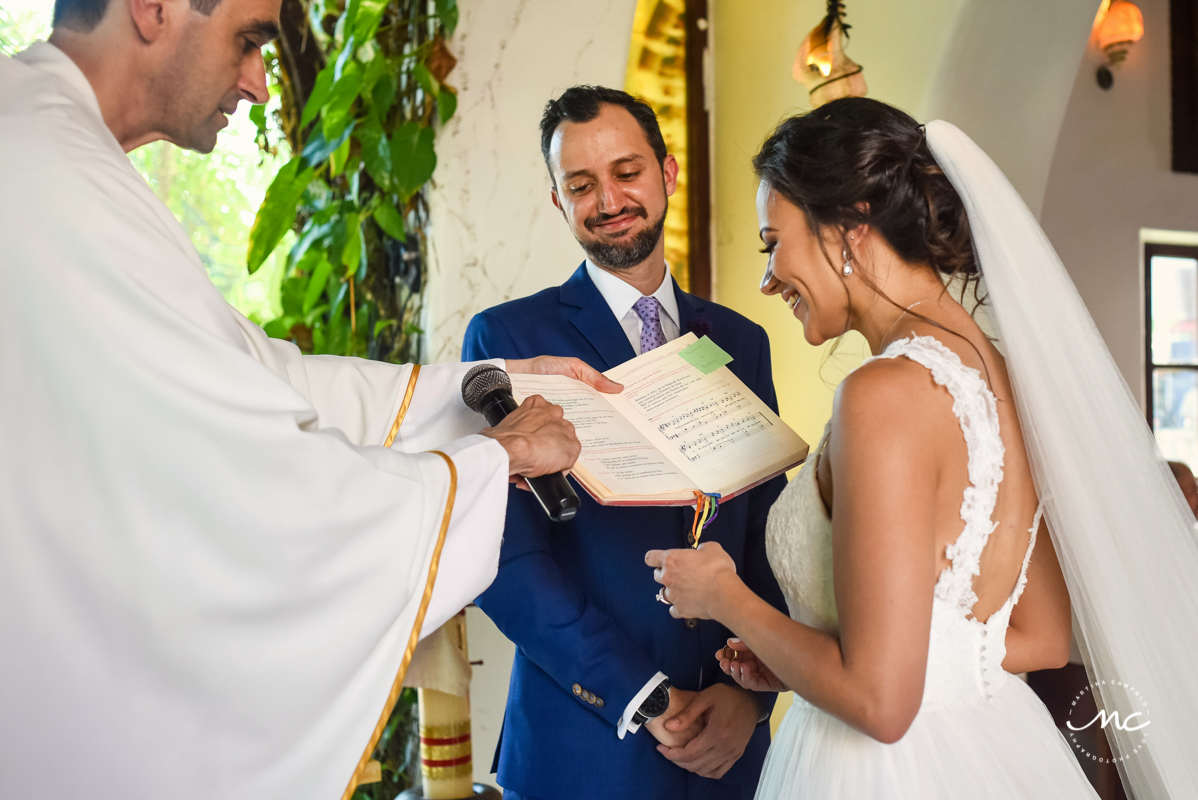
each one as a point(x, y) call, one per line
point(624, 254)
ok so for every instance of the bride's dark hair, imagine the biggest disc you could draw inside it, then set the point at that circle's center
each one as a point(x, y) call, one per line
point(859, 161)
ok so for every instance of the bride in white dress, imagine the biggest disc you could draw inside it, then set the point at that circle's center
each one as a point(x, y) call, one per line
point(914, 546)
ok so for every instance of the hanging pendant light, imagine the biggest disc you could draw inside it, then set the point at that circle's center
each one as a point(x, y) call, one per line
point(821, 64)
point(1119, 26)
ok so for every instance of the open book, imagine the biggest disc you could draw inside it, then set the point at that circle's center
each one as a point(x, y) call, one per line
point(684, 423)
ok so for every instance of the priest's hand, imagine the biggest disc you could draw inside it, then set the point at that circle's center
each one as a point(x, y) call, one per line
point(570, 367)
point(679, 699)
point(538, 439)
point(729, 716)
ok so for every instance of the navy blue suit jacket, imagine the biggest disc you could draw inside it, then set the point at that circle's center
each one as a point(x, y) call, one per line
point(577, 598)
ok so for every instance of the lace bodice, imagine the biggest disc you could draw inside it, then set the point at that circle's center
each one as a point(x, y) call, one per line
point(964, 655)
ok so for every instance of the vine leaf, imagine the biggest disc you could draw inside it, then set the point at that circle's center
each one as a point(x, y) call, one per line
point(318, 148)
point(426, 80)
point(447, 103)
point(376, 151)
point(413, 158)
point(379, 66)
point(319, 96)
point(370, 12)
point(335, 114)
point(316, 285)
point(339, 158)
point(447, 12)
point(258, 117)
point(277, 211)
point(390, 221)
point(382, 96)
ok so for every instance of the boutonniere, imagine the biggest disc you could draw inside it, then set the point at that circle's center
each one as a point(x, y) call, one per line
point(700, 326)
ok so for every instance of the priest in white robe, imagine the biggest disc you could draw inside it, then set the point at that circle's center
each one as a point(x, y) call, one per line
point(213, 549)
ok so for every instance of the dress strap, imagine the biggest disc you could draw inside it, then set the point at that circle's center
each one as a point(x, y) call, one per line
point(976, 410)
point(1027, 557)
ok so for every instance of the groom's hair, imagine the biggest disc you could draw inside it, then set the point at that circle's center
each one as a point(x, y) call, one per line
point(583, 103)
point(83, 16)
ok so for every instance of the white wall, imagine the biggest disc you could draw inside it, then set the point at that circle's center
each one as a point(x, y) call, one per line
point(496, 235)
point(1005, 78)
point(1110, 177)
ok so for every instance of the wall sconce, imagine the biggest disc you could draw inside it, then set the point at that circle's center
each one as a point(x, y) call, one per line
point(821, 64)
point(1119, 26)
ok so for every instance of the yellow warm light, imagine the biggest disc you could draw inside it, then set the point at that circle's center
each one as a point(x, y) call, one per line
point(657, 74)
point(821, 61)
point(823, 67)
point(1121, 26)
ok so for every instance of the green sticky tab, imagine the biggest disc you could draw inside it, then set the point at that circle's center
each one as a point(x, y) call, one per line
point(705, 356)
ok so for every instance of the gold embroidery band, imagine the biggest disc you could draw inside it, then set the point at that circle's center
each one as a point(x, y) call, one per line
point(446, 773)
point(454, 730)
point(403, 407)
point(441, 755)
point(397, 686)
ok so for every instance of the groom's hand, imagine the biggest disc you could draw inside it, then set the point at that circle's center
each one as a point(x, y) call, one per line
point(679, 700)
point(560, 365)
point(728, 715)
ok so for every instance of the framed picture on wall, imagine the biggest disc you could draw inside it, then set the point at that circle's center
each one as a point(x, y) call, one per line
point(1183, 38)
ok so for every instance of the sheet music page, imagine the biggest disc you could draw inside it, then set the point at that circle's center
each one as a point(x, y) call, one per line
point(715, 430)
point(614, 451)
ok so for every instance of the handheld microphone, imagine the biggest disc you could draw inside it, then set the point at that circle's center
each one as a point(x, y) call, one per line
point(487, 390)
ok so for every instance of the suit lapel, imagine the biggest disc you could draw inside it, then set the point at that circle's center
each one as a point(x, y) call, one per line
point(594, 320)
point(690, 313)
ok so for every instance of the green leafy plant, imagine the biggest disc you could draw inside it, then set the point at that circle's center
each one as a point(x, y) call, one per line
point(362, 84)
point(398, 752)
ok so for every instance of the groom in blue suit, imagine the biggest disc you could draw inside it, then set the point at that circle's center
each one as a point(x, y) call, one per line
point(601, 665)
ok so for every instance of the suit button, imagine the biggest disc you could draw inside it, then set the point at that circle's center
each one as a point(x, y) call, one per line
point(692, 623)
point(577, 690)
point(599, 702)
point(591, 698)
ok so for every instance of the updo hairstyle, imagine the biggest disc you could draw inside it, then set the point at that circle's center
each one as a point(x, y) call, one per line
point(859, 161)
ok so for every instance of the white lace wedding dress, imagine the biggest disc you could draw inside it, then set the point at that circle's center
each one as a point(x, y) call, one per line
point(980, 732)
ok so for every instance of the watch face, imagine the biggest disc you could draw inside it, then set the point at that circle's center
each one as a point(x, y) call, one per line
point(656, 703)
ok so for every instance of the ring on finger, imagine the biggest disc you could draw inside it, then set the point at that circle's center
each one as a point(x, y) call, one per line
point(661, 596)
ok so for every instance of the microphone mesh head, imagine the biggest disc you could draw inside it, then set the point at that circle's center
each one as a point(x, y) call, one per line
point(481, 381)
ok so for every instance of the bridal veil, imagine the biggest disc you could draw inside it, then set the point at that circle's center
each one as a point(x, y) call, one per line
point(1122, 530)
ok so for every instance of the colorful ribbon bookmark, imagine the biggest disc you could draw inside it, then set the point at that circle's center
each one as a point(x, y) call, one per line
point(707, 508)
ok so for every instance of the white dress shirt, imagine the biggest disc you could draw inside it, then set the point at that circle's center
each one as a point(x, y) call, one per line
point(622, 296)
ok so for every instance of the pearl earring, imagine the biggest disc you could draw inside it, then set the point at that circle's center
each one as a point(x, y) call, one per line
point(848, 263)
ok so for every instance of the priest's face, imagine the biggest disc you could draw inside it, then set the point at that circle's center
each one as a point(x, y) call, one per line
point(209, 64)
point(610, 187)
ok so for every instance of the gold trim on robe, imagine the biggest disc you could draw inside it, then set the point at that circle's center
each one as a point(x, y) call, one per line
point(403, 407)
point(397, 686)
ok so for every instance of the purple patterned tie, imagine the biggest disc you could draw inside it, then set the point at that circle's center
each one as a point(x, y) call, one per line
point(652, 336)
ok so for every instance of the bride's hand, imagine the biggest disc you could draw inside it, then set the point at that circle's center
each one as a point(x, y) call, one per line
point(746, 669)
point(695, 580)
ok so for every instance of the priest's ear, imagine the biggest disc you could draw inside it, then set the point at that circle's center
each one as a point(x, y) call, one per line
point(152, 18)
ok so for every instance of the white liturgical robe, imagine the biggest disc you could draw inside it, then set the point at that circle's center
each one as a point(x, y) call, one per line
point(210, 567)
